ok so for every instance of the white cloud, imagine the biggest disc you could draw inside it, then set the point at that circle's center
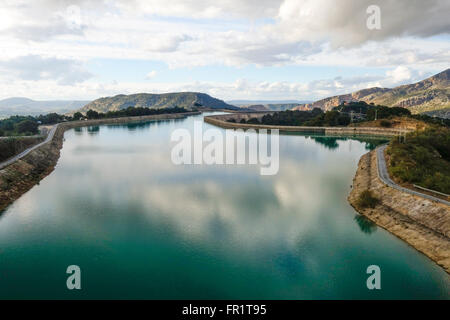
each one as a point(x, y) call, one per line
point(46, 88)
point(151, 75)
point(400, 74)
point(33, 67)
point(45, 41)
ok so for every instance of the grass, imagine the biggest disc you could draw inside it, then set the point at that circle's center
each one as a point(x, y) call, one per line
point(422, 159)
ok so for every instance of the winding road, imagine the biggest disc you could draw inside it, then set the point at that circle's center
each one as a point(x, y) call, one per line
point(27, 151)
point(384, 177)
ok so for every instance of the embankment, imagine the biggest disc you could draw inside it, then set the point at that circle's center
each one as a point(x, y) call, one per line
point(422, 223)
point(221, 121)
point(10, 146)
point(20, 176)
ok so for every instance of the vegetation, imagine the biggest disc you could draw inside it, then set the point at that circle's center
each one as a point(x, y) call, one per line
point(11, 146)
point(424, 96)
point(343, 115)
point(316, 117)
point(385, 123)
point(432, 120)
point(187, 100)
point(132, 112)
point(423, 158)
point(356, 107)
point(28, 125)
point(366, 199)
point(18, 126)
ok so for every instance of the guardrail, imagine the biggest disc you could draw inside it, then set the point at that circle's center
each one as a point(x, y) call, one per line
point(386, 179)
point(432, 191)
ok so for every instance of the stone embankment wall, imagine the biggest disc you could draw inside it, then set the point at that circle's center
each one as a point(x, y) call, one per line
point(221, 121)
point(422, 223)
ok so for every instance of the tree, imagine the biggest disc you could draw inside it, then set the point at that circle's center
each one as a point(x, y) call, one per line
point(92, 114)
point(7, 125)
point(52, 118)
point(331, 118)
point(27, 126)
point(77, 116)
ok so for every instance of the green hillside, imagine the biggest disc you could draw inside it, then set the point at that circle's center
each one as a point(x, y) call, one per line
point(187, 100)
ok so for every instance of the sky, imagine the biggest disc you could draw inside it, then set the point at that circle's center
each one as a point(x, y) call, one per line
point(230, 49)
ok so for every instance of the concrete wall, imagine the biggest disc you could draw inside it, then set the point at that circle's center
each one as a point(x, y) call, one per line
point(221, 121)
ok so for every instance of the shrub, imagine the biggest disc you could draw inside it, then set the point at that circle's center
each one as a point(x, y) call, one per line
point(385, 123)
point(422, 159)
point(27, 127)
point(366, 199)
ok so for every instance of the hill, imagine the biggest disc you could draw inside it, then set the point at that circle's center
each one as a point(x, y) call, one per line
point(240, 103)
point(270, 107)
point(25, 106)
point(267, 105)
point(187, 100)
point(427, 95)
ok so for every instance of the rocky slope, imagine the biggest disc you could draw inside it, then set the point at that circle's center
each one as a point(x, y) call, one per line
point(270, 106)
point(186, 100)
point(423, 224)
point(427, 95)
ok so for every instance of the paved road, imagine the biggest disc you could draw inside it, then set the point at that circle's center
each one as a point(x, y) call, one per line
point(27, 151)
point(384, 176)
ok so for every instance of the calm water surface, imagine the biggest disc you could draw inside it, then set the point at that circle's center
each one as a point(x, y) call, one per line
point(140, 227)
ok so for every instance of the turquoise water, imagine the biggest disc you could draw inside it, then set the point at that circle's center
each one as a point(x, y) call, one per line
point(141, 227)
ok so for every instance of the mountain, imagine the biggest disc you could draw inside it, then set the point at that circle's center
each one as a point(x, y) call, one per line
point(427, 95)
point(241, 103)
point(187, 100)
point(267, 105)
point(441, 113)
point(25, 106)
point(270, 107)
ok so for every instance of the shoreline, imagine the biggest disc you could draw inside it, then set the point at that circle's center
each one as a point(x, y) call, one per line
point(23, 174)
point(221, 121)
point(422, 223)
point(399, 213)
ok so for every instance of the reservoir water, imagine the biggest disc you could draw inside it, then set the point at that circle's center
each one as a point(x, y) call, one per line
point(139, 226)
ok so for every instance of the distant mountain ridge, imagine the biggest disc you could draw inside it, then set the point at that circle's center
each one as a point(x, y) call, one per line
point(427, 95)
point(25, 106)
point(267, 105)
point(270, 107)
point(240, 103)
point(188, 100)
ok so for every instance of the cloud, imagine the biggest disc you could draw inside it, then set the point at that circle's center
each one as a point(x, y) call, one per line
point(45, 41)
point(345, 24)
point(32, 67)
point(47, 88)
point(400, 74)
point(203, 9)
point(165, 43)
point(151, 75)
point(43, 20)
